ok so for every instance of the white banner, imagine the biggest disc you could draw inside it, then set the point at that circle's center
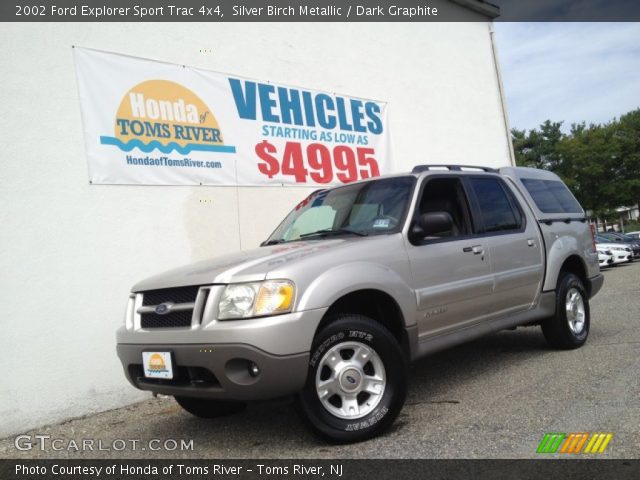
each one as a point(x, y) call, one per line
point(153, 123)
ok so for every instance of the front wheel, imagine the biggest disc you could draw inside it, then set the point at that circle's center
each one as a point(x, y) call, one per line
point(569, 327)
point(357, 380)
point(208, 408)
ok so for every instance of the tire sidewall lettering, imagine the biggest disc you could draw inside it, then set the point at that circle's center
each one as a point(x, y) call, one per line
point(337, 337)
point(360, 335)
point(373, 418)
point(324, 346)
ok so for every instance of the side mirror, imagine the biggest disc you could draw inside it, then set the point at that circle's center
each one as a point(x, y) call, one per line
point(431, 223)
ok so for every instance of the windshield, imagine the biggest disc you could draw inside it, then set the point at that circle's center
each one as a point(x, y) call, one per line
point(374, 207)
point(626, 238)
point(604, 239)
point(618, 237)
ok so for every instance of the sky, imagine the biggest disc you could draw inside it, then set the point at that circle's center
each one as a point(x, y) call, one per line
point(571, 72)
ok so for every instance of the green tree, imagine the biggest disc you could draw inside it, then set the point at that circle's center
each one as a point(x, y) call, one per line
point(626, 133)
point(538, 148)
point(600, 163)
point(589, 166)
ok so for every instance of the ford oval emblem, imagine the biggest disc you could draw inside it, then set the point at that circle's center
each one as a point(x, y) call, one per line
point(162, 309)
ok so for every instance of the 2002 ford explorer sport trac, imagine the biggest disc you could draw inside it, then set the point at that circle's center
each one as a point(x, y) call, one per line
point(358, 281)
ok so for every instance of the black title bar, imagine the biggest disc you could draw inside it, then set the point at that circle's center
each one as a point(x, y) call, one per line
point(318, 10)
point(257, 469)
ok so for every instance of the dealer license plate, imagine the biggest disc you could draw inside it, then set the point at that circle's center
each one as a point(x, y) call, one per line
point(157, 365)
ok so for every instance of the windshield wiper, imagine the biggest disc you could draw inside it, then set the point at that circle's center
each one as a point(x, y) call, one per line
point(329, 231)
point(324, 231)
point(266, 243)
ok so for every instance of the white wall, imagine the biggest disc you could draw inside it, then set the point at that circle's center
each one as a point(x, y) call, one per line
point(70, 251)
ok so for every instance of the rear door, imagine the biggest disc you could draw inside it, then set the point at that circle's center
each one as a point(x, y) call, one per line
point(514, 244)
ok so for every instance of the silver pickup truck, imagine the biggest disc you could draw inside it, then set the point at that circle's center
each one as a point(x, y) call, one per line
point(358, 281)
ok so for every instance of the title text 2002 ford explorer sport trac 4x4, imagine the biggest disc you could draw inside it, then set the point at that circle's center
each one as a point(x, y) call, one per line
point(356, 282)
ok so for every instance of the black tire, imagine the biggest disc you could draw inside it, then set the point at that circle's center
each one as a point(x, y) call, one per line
point(208, 408)
point(348, 330)
point(557, 329)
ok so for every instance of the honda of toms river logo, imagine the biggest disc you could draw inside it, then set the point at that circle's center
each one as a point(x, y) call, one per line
point(156, 363)
point(574, 442)
point(164, 115)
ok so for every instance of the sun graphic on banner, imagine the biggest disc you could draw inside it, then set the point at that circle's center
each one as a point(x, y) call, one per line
point(164, 115)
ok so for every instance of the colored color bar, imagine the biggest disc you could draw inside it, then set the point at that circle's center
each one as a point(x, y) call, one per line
point(594, 437)
point(549, 445)
point(558, 442)
point(543, 443)
point(583, 439)
point(569, 443)
point(554, 442)
point(596, 445)
point(606, 441)
point(573, 443)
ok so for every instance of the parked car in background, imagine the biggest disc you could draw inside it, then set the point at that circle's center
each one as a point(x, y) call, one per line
point(625, 240)
point(605, 257)
point(621, 252)
point(635, 235)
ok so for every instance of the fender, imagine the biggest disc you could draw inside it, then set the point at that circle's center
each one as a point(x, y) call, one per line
point(350, 277)
point(563, 247)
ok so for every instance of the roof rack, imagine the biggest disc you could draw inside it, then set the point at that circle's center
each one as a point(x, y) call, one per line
point(453, 168)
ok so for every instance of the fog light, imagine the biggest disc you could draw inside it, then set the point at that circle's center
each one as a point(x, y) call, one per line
point(254, 370)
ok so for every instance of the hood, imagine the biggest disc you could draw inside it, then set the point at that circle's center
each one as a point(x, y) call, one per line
point(245, 266)
point(609, 246)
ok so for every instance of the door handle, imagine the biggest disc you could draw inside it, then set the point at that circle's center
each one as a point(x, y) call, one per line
point(476, 249)
point(531, 242)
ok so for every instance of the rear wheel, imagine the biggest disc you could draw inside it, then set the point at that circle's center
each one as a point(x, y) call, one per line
point(208, 408)
point(357, 380)
point(569, 327)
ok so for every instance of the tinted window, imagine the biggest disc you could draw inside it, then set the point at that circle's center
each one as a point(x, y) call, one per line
point(551, 196)
point(498, 209)
point(447, 195)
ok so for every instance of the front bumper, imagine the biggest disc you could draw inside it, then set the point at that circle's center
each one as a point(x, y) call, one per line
point(606, 262)
point(218, 371)
point(278, 335)
point(212, 359)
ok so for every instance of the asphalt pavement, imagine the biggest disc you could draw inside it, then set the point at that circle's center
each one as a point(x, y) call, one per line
point(493, 398)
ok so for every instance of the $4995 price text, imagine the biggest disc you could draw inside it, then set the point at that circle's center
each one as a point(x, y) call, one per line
point(317, 162)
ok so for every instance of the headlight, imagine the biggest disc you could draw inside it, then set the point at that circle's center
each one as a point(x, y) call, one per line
point(246, 300)
point(237, 300)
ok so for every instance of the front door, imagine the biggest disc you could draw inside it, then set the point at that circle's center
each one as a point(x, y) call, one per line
point(451, 271)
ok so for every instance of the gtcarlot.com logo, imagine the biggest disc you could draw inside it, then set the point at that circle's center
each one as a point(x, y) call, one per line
point(574, 442)
point(46, 442)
